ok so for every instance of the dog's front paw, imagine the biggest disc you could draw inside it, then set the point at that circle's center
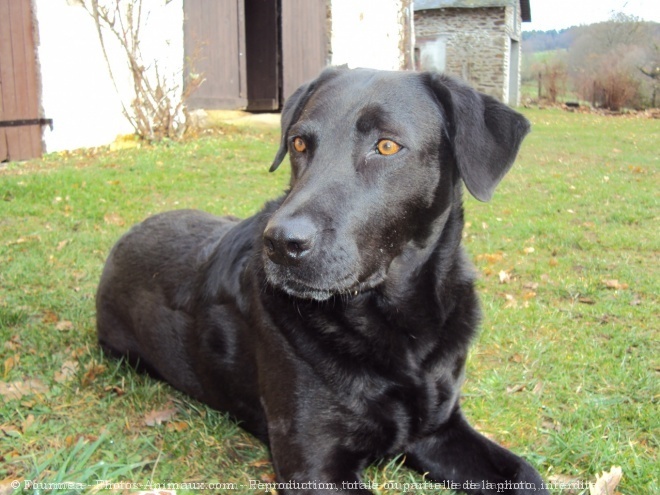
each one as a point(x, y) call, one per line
point(527, 482)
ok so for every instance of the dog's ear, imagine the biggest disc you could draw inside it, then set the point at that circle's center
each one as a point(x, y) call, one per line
point(484, 134)
point(293, 108)
point(290, 114)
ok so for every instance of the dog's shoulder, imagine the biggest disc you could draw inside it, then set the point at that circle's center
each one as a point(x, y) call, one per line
point(234, 258)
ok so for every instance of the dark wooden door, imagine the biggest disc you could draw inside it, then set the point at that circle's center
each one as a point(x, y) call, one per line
point(253, 53)
point(19, 91)
point(262, 49)
point(214, 46)
point(304, 42)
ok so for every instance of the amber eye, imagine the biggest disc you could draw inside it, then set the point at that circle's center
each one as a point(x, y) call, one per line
point(299, 144)
point(387, 147)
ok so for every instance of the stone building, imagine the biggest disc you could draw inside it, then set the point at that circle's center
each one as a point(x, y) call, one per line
point(477, 40)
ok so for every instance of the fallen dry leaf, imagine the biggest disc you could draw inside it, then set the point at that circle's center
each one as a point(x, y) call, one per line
point(504, 277)
point(64, 325)
point(491, 258)
point(92, 371)
point(50, 317)
point(66, 372)
point(528, 250)
point(22, 240)
point(510, 301)
point(586, 300)
point(268, 478)
point(607, 482)
point(114, 219)
point(11, 362)
point(517, 358)
point(80, 351)
point(10, 430)
point(29, 421)
point(551, 424)
point(177, 426)
point(154, 418)
point(7, 486)
point(20, 388)
point(568, 485)
point(615, 284)
point(13, 344)
point(115, 389)
point(72, 440)
point(515, 388)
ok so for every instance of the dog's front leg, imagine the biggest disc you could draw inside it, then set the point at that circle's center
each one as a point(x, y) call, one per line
point(311, 434)
point(315, 469)
point(469, 462)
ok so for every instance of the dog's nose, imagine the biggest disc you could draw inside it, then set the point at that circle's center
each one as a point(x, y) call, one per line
point(288, 241)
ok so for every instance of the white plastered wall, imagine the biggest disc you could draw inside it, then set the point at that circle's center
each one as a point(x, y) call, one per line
point(76, 89)
point(367, 33)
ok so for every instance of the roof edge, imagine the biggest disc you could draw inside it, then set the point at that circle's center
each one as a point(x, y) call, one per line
point(525, 10)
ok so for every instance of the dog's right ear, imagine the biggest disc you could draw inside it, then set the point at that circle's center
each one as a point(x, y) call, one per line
point(294, 106)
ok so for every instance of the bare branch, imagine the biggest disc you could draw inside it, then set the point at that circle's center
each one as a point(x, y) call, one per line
point(157, 108)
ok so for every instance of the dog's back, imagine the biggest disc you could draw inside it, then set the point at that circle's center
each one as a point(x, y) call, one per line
point(157, 265)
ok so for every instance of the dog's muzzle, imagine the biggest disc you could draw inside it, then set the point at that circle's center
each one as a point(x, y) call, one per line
point(289, 241)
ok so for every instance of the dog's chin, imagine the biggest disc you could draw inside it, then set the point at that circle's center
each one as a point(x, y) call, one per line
point(301, 291)
point(323, 290)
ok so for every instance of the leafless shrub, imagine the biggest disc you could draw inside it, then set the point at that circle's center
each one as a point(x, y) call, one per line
point(605, 63)
point(157, 108)
point(607, 81)
point(616, 88)
point(552, 74)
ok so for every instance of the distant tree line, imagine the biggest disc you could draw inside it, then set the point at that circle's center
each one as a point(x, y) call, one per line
point(543, 41)
point(613, 64)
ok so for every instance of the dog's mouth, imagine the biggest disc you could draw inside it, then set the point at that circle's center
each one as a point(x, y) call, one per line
point(345, 287)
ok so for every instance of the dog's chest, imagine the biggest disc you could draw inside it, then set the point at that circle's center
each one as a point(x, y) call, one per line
point(410, 394)
point(387, 379)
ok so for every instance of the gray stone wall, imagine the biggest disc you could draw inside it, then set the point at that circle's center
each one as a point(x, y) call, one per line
point(478, 43)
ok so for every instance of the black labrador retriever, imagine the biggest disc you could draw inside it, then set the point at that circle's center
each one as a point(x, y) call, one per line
point(334, 324)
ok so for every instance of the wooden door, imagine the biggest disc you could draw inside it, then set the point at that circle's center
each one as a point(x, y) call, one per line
point(20, 125)
point(304, 42)
point(214, 44)
point(262, 49)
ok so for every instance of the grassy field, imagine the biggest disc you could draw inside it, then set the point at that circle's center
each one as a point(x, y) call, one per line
point(565, 371)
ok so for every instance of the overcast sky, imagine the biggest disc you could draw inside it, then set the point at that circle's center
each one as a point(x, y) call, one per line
point(559, 14)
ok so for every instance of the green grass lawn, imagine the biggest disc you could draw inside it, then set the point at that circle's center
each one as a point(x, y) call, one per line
point(565, 371)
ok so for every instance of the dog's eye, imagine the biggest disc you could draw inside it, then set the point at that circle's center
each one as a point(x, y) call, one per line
point(299, 144)
point(387, 147)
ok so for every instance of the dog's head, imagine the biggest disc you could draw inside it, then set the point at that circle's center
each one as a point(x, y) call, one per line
point(375, 160)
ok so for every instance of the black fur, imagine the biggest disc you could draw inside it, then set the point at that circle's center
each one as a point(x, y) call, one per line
point(334, 324)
